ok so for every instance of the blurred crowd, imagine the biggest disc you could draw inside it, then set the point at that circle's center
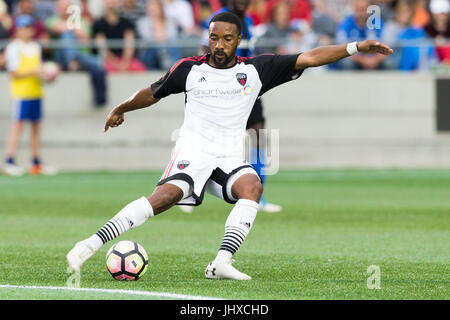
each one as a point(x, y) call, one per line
point(153, 34)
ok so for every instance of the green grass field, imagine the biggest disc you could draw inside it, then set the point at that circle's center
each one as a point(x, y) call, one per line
point(335, 224)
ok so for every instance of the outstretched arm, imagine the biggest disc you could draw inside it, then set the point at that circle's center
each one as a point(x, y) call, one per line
point(141, 99)
point(329, 54)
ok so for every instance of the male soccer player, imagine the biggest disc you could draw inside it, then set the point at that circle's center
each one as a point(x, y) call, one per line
point(23, 58)
point(256, 120)
point(220, 89)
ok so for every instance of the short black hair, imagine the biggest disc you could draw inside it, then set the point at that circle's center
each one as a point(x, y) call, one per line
point(228, 17)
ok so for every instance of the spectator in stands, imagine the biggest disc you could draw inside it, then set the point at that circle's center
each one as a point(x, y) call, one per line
point(277, 31)
point(44, 9)
point(299, 9)
point(26, 7)
point(398, 33)
point(180, 12)
point(5, 26)
point(421, 15)
point(203, 9)
point(439, 28)
point(257, 10)
point(133, 10)
point(354, 28)
point(335, 9)
point(157, 28)
point(323, 24)
point(10, 4)
point(301, 38)
point(74, 58)
point(387, 8)
point(114, 27)
point(86, 11)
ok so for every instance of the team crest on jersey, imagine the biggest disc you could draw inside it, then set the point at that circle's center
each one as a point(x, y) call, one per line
point(241, 78)
point(182, 164)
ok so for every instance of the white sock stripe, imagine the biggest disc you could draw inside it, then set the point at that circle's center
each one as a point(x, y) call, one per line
point(234, 236)
point(232, 242)
point(119, 224)
point(232, 248)
point(243, 233)
point(106, 233)
point(108, 228)
point(226, 248)
point(101, 236)
point(112, 223)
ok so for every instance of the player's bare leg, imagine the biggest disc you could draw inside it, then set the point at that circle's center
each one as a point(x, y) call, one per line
point(247, 189)
point(131, 216)
point(11, 147)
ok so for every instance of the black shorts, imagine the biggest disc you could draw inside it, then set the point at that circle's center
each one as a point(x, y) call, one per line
point(256, 116)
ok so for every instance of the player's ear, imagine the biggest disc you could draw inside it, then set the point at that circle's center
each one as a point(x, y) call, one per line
point(239, 39)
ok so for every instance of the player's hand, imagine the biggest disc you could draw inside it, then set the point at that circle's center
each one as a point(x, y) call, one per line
point(373, 46)
point(114, 119)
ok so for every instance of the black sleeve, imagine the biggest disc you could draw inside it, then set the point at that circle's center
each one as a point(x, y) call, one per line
point(174, 81)
point(128, 25)
point(274, 69)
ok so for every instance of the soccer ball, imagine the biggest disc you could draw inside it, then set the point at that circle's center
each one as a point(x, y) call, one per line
point(50, 71)
point(127, 260)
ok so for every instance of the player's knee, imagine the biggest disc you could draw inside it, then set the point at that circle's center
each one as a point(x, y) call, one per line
point(252, 190)
point(165, 197)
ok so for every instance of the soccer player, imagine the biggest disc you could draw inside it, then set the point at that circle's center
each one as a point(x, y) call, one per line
point(23, 59)
point(220, 90)
point(256, 120)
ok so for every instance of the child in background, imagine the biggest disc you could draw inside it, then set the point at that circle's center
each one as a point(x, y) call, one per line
point(24, 64)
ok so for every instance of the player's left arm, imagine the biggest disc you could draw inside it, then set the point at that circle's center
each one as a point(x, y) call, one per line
point(329, 54)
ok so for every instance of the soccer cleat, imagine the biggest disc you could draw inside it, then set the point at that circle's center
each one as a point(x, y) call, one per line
point(13, 170)
point(269, 207)
point(39, 169)
point(224, 270)
point(79, 254)
point(186, 209)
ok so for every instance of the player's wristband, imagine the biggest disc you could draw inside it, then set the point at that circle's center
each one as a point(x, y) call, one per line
point(352, 48)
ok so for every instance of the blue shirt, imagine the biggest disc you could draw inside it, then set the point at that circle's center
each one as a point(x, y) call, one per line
point(410, 55)
point(348, 30)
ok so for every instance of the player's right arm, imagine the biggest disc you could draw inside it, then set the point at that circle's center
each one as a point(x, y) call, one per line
point(141, 99)
point(174, 81)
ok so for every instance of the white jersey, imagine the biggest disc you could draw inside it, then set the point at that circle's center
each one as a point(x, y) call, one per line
point(218, 102)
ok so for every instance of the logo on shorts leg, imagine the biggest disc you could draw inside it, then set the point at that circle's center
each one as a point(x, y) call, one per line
point(182, 164)
point(241, 78)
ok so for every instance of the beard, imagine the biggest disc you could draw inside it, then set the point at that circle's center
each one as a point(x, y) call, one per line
point(223, 60)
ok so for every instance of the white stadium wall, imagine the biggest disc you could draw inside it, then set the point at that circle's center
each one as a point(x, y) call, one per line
point(325, 120)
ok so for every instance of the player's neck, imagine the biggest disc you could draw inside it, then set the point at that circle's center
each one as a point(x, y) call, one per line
point(210, 62)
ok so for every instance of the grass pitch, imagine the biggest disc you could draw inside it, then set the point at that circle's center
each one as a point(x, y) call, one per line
point(335, 224)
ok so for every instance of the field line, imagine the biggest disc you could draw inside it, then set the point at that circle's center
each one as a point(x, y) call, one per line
point(116, 291)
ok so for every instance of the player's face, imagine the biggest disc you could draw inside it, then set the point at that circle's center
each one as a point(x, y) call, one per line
point(224, 39)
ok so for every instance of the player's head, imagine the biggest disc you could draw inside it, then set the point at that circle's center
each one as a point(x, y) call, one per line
point(224, 38)
point(24, 27)
point(238, 6)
